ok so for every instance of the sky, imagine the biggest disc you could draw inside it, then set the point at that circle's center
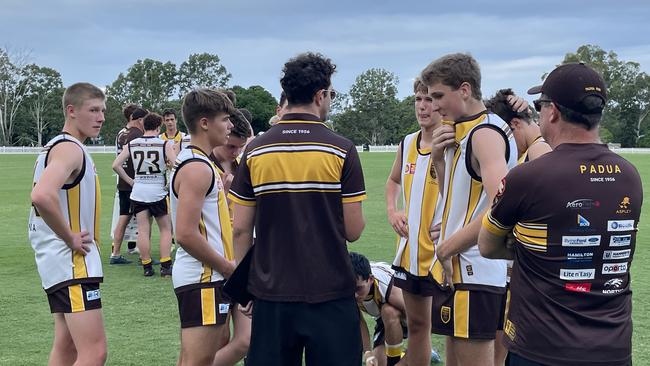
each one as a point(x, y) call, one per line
point(515, 42)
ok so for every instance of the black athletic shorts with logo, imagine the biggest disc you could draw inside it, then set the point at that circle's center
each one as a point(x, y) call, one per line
point(468, 314)
point(124, 198)
point(423, 286)
point(156, 209)
point(201, 306)
point(75, 298)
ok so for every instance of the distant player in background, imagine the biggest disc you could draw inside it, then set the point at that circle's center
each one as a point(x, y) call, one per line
point(171, 130)
point(134, 129)
point(151, 157)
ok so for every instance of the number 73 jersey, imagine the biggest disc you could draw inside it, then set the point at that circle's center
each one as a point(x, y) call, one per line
point(149, 164)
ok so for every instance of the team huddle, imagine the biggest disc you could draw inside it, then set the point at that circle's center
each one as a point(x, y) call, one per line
point(489, 252)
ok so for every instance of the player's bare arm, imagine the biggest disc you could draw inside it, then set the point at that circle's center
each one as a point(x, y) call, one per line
point(353, 220)
point(118, 165)
point(396, 217)
point(170, 153)
point(64, 164)
point(243, 230)
point(192, 183)
point(488, 148)
point(396, 299)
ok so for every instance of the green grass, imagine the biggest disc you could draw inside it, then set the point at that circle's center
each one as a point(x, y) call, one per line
point(140, 314)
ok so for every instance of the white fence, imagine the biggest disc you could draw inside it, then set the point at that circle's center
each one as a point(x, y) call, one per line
point(385, 148)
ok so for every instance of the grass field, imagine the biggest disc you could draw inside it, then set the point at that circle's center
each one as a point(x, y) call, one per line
point(140, 314)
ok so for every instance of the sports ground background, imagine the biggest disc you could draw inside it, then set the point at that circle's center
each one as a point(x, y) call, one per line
point(140, 314)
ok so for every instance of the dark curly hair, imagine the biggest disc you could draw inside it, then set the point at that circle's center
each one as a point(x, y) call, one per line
point(304, 75)
point(152, 121)
point(500, 106)
point(361, 265)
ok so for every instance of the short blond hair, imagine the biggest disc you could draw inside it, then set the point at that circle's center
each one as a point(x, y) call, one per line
point(76, 94)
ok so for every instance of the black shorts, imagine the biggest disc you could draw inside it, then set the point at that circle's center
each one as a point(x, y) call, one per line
point(156, 209)
point(469, 314)
point(125, 203)
point(423, 286)
point(202, 306)
point(327, 332)
point(75, 298)
point(379, 336)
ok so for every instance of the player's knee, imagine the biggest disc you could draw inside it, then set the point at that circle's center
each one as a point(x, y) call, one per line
point(390, 314)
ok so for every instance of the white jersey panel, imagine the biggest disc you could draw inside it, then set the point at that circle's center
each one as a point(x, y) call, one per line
point(80, 204)
point(149, 163)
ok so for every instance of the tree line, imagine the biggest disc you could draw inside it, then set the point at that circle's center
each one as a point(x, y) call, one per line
point(370, 112)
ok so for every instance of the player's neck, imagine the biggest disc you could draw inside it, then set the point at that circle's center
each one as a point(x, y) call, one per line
point(308, 109)
point(426, 134)
point(473, 107)
point(151, 133)
point(71, 130)
point(202, 143)
point(171, 132)
point(532, 134)
point(219, 155)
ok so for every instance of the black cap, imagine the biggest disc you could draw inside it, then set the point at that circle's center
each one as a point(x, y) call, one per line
point(139, 113)
point(569, 84)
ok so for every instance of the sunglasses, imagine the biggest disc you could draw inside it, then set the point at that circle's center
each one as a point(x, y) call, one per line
point(331, 92)
point(538, 103)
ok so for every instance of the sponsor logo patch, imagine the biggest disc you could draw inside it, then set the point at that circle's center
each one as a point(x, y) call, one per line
point(620, 240)
point(93, 295)
point(409, 168)
point(223, 308)
point(617, 254)
point(581, 241)
point(582, 222)
point(582, 204)
point(614, 268)
point(510, 330)
point(620, 225)
point(400, 275)
point(580, 256)
point(470, 270)
point(578, 287)
point(577, 274)
point(613, 286)
point(445, 314)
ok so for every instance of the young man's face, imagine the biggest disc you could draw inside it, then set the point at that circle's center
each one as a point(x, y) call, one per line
point(424, 110)
point(218, 129)
point(170, 122)
point(327, 96)
point(90, 117)
point(233, 147)
point(447, 101)
point(363, 288)
point(518, 131)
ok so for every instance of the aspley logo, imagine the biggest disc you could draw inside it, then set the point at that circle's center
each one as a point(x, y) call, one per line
point(624, 206)
point(582, 222)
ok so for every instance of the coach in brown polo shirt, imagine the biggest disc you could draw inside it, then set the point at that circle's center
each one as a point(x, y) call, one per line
point(574, 213)
point(301, 185)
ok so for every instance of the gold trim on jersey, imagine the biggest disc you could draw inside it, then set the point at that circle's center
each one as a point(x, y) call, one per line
point(449, 189)
point(532, 236)
point(74, 214)
point(475, 191)
point(494, 226)
point(206, 276)
point(98, 210)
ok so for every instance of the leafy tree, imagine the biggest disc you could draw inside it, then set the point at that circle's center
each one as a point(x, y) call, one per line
point(148, 83)
point(202, 70)
point(372, 114)
point(43, 99)
point(259, 102)
point(13, 89)
point(626, 113)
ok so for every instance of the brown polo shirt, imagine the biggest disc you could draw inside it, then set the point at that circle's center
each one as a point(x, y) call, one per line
point(575, 213)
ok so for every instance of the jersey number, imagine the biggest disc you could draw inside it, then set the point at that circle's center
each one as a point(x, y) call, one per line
point(153, 157)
